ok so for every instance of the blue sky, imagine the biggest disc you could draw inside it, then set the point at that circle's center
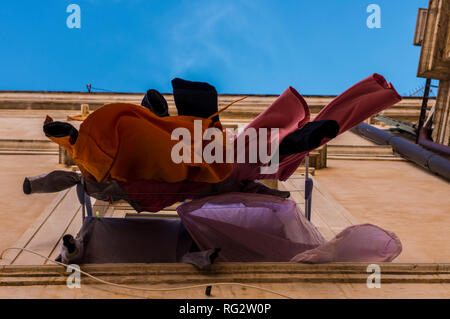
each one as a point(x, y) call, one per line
point(243, 46)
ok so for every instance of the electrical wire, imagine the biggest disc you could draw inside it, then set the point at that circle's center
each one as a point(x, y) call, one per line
point(143, 288)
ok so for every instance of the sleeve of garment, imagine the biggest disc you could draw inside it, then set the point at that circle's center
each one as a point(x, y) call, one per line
point(52, 182)
point(287, 113)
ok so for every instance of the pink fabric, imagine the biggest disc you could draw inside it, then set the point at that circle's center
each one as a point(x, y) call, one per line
point(288, 113)
point(255, 227)
point(361, 101)
point(360, 243)
point(249, 227)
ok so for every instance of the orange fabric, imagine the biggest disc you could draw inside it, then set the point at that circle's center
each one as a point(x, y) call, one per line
point(127, 142)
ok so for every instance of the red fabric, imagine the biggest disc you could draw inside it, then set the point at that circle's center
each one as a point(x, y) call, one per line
point(152, 196)
point(361, 101)
point(288, 113)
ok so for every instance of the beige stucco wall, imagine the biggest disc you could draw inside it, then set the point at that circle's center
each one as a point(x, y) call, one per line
point(398, 196)
point(17, 210)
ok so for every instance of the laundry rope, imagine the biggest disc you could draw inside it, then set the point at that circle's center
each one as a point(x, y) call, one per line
point(142, 288)
point(99, 89)
point(224, 108)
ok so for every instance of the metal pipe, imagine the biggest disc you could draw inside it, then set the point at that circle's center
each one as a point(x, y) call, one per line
point(423, 110)
point(412, 152)
point(306, 182)
point(308, 189)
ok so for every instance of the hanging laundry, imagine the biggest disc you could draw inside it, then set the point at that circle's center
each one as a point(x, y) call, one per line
point(147, 196)
point(71, 250)
point(358, 243)
point(154, 196)
point(129, 240)
point(249, 227)
point(264, 228)
point(290, 112)
point(147, 241)
point(166, 183)
point(123, 151)
point(308, 137)
point(127, 142)
point(155, 102)
point(195, 98)
point(233, 227)
point(59, 180)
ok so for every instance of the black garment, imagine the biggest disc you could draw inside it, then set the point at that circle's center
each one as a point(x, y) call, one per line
point(111, 191)
point(155, 102)
point(61, 129)
point(195, 98)
point(59, 180)
point(69, 242)
point(308, 137)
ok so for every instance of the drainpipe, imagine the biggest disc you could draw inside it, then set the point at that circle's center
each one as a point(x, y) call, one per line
point(423, 109)
point(412, 152)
